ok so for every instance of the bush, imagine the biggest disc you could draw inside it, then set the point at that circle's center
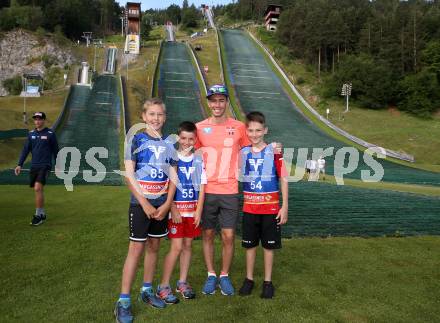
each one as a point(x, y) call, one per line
point(372, 81)
point(53, 78)
point(431, 56)
point(26, 17)
point(49, 60)
point(300, 80)
point(419, 94)
point(13, 85)
point(41, 33)
point(59, 37)
point(146, 27)
point(7, 21)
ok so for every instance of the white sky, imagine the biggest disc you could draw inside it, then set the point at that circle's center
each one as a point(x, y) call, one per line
point(160, 4)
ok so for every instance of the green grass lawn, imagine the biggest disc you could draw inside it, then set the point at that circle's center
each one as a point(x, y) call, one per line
point(11, 117)
point(208, 56)
point(390, 129)
point(68, 270)
point(12, 109)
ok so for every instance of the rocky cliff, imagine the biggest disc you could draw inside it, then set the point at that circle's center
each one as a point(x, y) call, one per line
point(21, 52)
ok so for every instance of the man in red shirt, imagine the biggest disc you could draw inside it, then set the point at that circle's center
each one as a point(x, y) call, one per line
point(220, 139)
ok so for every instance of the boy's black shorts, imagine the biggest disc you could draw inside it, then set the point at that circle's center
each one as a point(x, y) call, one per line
point(38, 174)
point(261, 227)
point(142, 227)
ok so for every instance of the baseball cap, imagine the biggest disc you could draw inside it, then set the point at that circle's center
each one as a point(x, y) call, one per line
point(41, 115)
point(217, 89)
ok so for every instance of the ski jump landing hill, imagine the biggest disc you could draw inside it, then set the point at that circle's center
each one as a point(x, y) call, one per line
point(90, 118)
point(318, 208)
point(178, 86)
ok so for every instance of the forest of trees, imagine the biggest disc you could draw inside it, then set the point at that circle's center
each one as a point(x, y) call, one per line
point(72, 17)
point(388, 49)
point(188, 16)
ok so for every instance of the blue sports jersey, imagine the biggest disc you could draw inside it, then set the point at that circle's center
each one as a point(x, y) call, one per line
point(44, 147)
point(189, 171)
point(260, 180)
point(153, 158)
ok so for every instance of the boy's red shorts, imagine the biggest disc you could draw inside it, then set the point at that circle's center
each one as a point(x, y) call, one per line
point(185, 229)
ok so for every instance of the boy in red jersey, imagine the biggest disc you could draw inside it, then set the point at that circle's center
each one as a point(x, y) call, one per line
point(263, 174)
point(186, 212)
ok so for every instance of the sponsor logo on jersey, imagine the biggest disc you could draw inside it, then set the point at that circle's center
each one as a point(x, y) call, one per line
point(44, 137)
point(256, 163)
point(207, 130)
point(261, 198)
point(187, 171)
point(153, 187)
point(230, 130)
point(157, 150)
point(186, 208)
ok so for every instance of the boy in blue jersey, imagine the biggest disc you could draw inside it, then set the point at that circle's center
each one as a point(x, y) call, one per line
point(42, 144)
point(186, 212)
point(151, 177)
point(263, 174)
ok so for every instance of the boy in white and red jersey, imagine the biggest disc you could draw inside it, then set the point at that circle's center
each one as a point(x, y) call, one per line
point(263, 175)
point(186, 211)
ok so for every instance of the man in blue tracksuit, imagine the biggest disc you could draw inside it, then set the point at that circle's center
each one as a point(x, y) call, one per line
point(42, 144)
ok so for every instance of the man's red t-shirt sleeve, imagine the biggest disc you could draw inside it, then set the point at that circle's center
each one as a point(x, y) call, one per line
point(198, 143)
point(244, 140)
point(279, 165)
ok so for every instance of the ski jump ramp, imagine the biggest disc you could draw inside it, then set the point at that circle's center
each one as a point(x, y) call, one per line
point(318, 208)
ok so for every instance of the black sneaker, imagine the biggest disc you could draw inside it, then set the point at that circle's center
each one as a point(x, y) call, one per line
point(268, 290)
point(246, 288)
point(43, 217)
point(36, 220)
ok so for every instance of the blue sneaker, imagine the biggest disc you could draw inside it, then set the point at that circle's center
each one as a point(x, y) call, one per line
point(226, 286)
point(210, 285)
point(166, 294)
point(122, 314)
point(186, 290)
point(148, 297)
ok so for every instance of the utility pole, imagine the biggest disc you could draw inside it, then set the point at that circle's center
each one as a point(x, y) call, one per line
point(94, 59)
point(122, 25)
